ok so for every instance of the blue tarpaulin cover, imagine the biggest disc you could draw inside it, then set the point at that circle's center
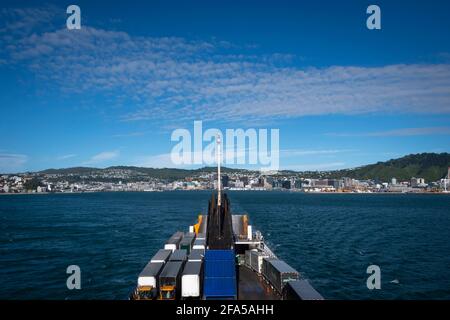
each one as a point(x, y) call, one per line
point(220, 274)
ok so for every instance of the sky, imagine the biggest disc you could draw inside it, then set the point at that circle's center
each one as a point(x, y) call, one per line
point(112, 93)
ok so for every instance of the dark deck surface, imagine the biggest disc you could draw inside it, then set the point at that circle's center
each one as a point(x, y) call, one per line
point(253, 287)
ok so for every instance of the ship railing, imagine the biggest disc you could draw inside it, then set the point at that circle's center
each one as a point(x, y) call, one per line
point(266, 250)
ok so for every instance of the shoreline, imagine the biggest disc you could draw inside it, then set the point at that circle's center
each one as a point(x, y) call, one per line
point(209, 190)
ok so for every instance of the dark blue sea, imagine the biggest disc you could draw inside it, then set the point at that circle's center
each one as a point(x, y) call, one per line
point(330, 238)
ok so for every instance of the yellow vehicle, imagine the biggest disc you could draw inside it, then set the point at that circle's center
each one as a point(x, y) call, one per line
point(147, 288)
point(167, 292)
point(169, 280)
point(144, 293)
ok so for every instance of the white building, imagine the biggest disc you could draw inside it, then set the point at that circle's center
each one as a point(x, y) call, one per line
point(418, 183)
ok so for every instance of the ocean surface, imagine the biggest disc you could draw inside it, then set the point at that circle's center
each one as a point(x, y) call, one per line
point(330, 238)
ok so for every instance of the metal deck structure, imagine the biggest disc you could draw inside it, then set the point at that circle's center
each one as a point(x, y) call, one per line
point(253, 287)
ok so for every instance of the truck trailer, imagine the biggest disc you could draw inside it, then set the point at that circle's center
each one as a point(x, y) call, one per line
point(161, 256)
point(196, 255)
point(278, 273)
point(256, 260)
point(169, 280)
point(174, 241)
point(147, 287)
point(178, 255)
point(199, 244)
point(186, 243)
point(191, 280)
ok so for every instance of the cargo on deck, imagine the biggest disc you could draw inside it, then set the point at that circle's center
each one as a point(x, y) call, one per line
point(191, 280)
point(220, 275)
point(189, 235)
point(147, 287)
point(222, 260)
point(201, 236)
point(161, 256)
point(178, 255)
point(174, 241)
point(186, 243)
point(169, 280)
point(300, 290)
point(278, 273)
point(199, 244)
point(196, 255)
point(256, 260)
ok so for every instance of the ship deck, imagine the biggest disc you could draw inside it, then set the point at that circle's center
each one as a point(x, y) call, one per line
point(253, 287)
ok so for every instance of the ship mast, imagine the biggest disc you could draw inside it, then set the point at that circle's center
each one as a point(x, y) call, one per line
point(219, 187)
point(219, 228)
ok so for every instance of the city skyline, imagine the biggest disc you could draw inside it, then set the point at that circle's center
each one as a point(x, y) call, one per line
point(128, 179)
point(111, 93)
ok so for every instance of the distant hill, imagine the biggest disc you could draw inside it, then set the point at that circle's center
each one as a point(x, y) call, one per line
point(431, 166)
point(73, 170)
point(135, 172)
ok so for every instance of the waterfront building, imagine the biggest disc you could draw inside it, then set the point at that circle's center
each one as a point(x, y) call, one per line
point(418, 183)
point(286, 184)
point(225, 180)
point(298, 184)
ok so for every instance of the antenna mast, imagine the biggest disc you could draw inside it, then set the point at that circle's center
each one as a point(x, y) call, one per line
point(219, 197)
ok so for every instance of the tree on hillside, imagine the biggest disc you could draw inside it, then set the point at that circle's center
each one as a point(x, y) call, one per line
point(32, 184)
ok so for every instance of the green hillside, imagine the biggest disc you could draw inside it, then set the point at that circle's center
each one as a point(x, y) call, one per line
point(431, 166)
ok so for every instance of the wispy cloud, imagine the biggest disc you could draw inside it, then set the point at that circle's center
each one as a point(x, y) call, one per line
point(10, 162)
point(303, 152)
point(175, 79)
point(315, 166)
point(156, 161)
point(102, 157)
point(66, 156)
point(239, 158)
point(23, 21)
point(130, 134)
point(444, 56)
point(404, 132)
point(164, 161)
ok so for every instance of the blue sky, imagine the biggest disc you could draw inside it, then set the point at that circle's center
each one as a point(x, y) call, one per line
point(111, 93)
